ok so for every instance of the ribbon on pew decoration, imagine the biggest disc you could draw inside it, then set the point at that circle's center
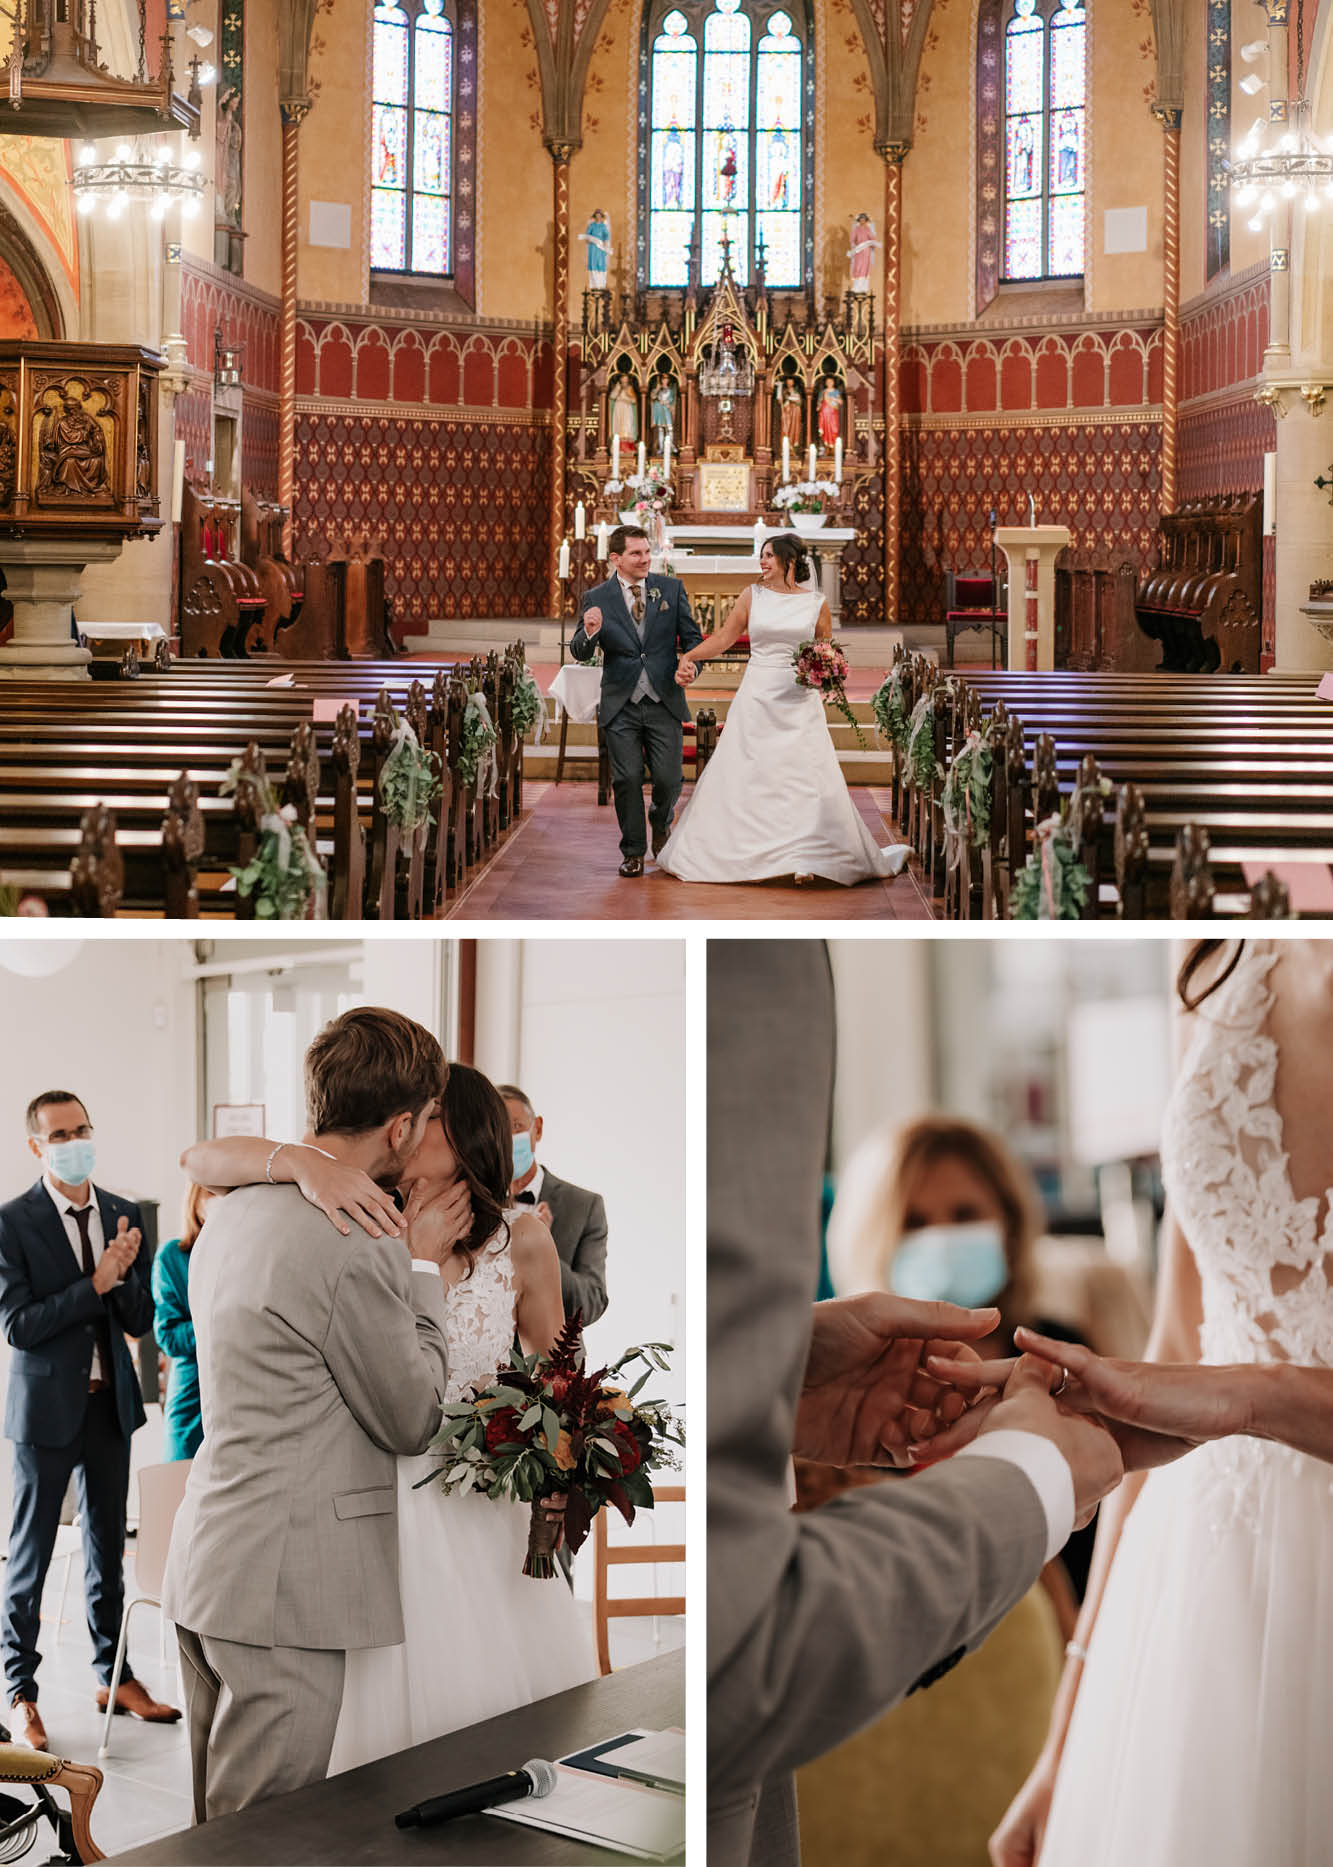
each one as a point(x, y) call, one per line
point(285, 877)
point(476, 759)
point(528, 708)
point(966, 797)
point(890, 709)
point(1053, 884)
point(409, 781)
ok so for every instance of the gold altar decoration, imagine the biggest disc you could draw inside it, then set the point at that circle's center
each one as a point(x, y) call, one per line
point(78, 440)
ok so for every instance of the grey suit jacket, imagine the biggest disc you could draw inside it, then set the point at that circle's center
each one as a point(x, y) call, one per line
point(321, 1358)
point(578, 1226)
point(816, 1623)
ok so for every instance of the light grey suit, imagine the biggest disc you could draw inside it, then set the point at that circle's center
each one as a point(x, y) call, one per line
point(321, 1358)
point(816, 1623)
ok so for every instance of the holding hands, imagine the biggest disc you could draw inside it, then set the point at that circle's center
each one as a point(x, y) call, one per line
point(686, 670)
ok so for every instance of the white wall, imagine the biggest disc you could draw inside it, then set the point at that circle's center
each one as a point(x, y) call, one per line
point(883, 1001)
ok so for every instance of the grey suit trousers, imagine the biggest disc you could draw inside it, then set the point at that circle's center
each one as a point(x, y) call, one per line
point(261, 1719)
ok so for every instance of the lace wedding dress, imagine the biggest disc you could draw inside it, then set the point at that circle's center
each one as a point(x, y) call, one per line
point(772, 799)
point(1202, 1726)
point(481, 1637)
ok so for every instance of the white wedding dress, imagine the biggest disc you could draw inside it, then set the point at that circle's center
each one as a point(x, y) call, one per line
point(1202, 1727)
point(772, 800)
point(481, 1637)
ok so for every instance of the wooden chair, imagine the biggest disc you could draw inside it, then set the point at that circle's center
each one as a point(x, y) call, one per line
point(975, 600)
point(607, 1607)
point(39, 1771)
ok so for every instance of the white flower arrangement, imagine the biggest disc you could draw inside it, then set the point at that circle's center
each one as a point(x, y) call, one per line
point(647, 489)
point(807, 496)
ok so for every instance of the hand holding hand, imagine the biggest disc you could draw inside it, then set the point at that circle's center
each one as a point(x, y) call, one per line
point(686, 670)
point(866, 1394)
point(592, 620)
point(1017, 1841)
point(437, 1218)
point(337, 1189)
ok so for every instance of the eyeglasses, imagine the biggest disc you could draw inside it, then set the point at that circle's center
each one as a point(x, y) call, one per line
point(68, 1134)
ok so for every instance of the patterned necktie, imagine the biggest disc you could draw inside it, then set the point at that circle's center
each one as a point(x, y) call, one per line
point(83, 1218)
point(638, 606)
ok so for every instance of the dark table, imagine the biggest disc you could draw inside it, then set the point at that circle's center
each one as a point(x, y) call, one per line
point(350, 1818)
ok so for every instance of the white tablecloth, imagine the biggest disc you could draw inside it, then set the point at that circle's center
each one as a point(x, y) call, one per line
point(577, 691)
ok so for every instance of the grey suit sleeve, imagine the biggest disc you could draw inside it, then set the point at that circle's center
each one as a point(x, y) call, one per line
point(385, 1346)
point(583, 1279)
point(583, 646)
point(816, 1623)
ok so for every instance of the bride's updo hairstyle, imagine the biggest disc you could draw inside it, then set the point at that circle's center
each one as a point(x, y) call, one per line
point(476, 1125)
point(789, 550)
point(1196, 961)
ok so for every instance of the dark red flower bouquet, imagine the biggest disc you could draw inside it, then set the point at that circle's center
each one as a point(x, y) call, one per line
point(545, 1428)
point(823, 665)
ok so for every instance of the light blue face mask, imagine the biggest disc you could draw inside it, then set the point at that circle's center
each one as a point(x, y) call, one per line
point(523, 1154)
point(951, 1264)
point(70, 1162)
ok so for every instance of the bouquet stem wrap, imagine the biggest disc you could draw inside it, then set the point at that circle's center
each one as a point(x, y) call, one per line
point(543, 1534)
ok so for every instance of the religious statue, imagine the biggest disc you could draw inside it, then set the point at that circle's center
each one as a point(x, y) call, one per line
point(791, 411)
point(230, 141)
point(624, 400)
point(861, 252)
point(72, 449)
point(598, 239)
point(830, 413)
point(663, 410)
point(9, 460)
point(673, 169)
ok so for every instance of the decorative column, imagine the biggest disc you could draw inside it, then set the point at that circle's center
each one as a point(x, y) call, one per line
point(893, 154)
point(293, 115)
point(1278, 353)
point(1170, 121)
point(561, 156)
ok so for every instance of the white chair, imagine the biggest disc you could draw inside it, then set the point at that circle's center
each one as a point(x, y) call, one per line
point(161, 1488)
point(69, 1544)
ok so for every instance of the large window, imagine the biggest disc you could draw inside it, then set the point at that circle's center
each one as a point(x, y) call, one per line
point(1045, 139)
point(412, 151)
point(730, 98)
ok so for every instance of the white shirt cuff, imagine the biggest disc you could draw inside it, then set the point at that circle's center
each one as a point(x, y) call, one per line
point(1045, 1466)
point(433, 1270)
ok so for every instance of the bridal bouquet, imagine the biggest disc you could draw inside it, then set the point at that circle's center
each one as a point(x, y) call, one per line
point(823, 665)
point(546, 1428)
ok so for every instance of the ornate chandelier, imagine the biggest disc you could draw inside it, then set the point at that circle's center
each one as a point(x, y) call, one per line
point(1263, 174)
point(154, 179)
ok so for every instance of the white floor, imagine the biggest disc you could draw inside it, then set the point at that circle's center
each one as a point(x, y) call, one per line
point(147, 1788)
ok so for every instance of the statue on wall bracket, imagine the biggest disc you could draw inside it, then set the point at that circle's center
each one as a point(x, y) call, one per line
point(861, 251)
point(597, 238)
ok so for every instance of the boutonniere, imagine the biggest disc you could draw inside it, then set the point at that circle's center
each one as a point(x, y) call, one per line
point(654, 593)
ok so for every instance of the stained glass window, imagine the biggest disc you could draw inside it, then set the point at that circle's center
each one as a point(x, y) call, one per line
point(411, 163)
point(1045, 152)
point(729, 94)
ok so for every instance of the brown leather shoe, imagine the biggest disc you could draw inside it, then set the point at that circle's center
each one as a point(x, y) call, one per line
point(631, 866)
point(660, 838)
point(132, 1698)
point(28, 1726)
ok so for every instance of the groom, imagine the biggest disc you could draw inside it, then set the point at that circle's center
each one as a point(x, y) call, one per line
point(642, 625)
point(320, 1358)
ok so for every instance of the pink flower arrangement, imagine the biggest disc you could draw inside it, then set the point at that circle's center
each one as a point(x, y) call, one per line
point(823, 666)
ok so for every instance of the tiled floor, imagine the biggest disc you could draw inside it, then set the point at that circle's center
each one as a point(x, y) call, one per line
point(146, 1792)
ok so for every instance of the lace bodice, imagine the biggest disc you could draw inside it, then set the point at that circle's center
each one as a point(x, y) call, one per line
point(479, 1317)
point(1265, 1257)
point(780, 621)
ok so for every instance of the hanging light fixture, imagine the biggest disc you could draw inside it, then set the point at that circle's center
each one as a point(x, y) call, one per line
point(1296, 166)
point(149, 176)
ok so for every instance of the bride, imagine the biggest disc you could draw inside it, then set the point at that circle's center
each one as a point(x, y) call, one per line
point(480, 1637)
point(772, 800)
point(1193, 1719)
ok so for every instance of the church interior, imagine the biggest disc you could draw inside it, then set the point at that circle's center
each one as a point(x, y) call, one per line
point(337, 340)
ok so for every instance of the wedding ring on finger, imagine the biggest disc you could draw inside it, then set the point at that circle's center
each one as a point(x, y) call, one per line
point(1062, 1384)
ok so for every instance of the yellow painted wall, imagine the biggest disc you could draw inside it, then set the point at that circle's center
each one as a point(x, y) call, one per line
point(263, 148)
point(334, 165)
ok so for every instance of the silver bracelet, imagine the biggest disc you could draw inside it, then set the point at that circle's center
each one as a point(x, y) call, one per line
point(268, 1164)
point(1075, 1651)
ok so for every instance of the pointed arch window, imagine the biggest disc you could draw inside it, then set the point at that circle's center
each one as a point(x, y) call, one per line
point(1045, 139)
point(412, 141)
point(728, 88)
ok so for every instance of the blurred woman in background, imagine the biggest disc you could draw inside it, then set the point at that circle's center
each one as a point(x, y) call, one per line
point(173, 1327)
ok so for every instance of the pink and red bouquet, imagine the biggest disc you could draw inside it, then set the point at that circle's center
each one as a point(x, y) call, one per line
point(823, 666)
point(546, 1428)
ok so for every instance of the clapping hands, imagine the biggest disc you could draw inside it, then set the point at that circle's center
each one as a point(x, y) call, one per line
point(117, 1257)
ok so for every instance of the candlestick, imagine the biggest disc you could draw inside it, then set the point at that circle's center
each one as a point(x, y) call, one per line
point(837, 461)
point(615, 456)
point(602, 536)
point(580, 521)
point(666, 458)
point(643, 458)
point(786, 459)
point(562, 569)
point(758, 536)
point(814, 462)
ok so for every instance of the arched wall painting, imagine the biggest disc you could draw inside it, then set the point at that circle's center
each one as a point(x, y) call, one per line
point(39, 170)
point(16, 315)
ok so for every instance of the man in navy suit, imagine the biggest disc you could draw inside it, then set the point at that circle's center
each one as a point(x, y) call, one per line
point(71, 1288)
point(643, 625)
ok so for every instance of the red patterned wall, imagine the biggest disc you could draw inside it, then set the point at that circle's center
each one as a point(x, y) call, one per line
point(1072, 417)
point(213, 300)
point(259, 446)
point(1223, 432)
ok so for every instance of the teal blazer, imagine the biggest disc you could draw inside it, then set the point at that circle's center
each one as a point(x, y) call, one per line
point(174, 1329)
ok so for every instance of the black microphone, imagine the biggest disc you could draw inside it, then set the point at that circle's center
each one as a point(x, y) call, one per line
point(536, 1778)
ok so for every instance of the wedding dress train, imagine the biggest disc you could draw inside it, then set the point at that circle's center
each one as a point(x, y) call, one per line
point(481, 1637)
point(772, 800)
point(1202, 1725)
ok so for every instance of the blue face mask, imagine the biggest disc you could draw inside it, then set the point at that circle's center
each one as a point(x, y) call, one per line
point(523, 1155)
point(70, 1162)
point(951, 1264)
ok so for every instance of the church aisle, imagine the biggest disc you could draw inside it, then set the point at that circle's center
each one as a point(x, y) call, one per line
point(560, 864)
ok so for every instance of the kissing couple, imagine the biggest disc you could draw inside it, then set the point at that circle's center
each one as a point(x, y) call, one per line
point(327, 1613)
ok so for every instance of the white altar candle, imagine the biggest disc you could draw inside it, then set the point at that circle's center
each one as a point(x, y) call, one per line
point(602, 536)
point(665, 544)
point(666, 458)
point(580, 521)
point(562, 570)
point(837, 461)
point(758, 536)
point(786, 459)
point(643, 458)
point(814, 462)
